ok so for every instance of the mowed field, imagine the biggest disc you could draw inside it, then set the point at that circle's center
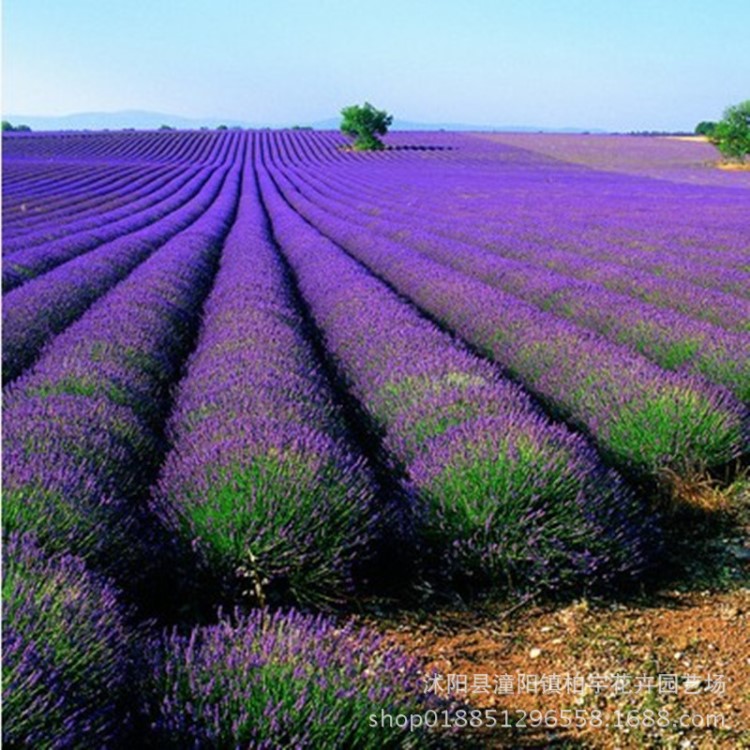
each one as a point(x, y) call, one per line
point(255, 382)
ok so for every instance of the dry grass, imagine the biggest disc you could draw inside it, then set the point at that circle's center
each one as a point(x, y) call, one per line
point(696, 138)
point(697, 493)
point(733, 167)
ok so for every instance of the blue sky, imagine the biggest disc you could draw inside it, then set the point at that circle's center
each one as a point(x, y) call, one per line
point(612, 64)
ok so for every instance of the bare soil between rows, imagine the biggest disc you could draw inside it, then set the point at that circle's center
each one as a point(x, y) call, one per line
point(691, 629)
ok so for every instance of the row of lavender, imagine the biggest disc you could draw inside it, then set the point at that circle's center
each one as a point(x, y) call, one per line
point(35, 254)
point(671, 339)
point(83, 442)
point(263, 483)
point(262, 479)
point(644, 419)
point(149, 147)
point(105, 198)
point(35, 191)
point(93, 195)
point(38, 310)
point(82, 426)
point(527, 211)
point(24, 214)
point(73, 661)
point(551, 215)
point(81, 436)
point(534, 225)
point(497, 491)
point(647, 221)
point(96, 212)
point(35, 185)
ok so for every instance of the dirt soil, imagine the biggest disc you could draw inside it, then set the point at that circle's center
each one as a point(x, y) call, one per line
point(667, 668)
point(703, 638)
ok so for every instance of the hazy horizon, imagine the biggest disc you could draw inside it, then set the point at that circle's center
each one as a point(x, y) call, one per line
point(546, 64)
point(147, 120)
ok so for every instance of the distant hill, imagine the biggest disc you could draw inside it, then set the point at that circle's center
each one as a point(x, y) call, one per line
point(332, 123)
point(140, 120)
point(144, 120)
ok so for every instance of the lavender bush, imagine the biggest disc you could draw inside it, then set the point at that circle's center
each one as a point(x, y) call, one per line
point(266, 681)
point(66, 653)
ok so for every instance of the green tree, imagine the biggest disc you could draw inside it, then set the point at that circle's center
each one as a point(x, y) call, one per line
point(705, 127)
point(8, 127)
point(365, 124)
point(732, 133)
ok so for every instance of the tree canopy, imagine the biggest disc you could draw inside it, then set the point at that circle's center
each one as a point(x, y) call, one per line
point(732, 133)
point(705, 127)
point(10, 128)
point(364, 124)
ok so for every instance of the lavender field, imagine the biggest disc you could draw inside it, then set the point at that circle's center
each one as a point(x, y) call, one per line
point(255, 381)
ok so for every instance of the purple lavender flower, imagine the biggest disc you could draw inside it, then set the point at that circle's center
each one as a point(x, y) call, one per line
point(66, 652)
point(261, 481)
point(269, 680)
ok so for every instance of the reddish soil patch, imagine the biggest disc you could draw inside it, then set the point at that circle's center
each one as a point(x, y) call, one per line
point(702, 638)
